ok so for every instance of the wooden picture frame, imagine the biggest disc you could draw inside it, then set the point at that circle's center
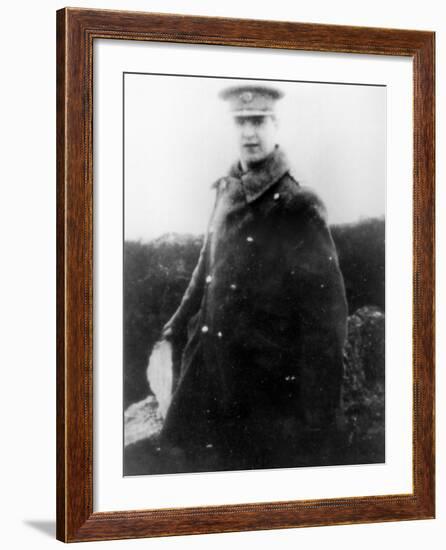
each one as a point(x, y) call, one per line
point(77, 29)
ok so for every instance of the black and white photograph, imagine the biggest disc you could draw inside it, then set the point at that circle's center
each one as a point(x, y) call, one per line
point(224, 247)
point(253, 273)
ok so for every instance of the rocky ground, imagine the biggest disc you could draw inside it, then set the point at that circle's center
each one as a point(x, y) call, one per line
point(361, 437)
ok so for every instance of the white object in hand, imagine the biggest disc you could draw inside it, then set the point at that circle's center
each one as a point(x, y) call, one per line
point(160, 374)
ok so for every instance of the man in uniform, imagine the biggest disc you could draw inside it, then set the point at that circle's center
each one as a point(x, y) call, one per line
point(265, 314)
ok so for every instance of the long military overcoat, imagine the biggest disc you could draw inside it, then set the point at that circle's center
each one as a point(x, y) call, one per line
point(265, 312)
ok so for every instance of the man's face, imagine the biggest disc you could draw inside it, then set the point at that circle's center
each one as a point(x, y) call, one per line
point(256, 137)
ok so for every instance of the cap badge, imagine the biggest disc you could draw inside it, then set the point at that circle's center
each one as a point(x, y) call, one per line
point(246, 97)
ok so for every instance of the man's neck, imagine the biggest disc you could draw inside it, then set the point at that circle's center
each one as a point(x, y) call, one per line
point(247, 166)
point(244, 166)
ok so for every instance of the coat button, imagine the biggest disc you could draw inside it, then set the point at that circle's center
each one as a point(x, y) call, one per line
point(219, 334)
point(249, 239)
point(204, 328)
point(276, 196)
point(209, 278)
point(233, 286)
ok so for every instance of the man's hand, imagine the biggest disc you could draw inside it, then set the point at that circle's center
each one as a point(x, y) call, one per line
point(167, 332)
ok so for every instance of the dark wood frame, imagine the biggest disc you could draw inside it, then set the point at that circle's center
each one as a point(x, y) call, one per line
point(76, 31)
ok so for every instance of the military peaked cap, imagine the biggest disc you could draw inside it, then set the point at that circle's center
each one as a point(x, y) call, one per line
point(251, 100)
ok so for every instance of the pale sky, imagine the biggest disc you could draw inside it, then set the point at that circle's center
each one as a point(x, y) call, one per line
point(179, 140)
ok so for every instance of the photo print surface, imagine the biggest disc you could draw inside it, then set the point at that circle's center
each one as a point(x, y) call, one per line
point(254, 274)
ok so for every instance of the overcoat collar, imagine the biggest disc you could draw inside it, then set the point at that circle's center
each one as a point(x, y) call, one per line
point(262, 176)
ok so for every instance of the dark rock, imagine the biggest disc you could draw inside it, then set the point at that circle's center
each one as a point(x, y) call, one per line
point(363, 392)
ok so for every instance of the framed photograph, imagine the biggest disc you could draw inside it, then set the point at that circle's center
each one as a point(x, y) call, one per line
point(245, 275)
